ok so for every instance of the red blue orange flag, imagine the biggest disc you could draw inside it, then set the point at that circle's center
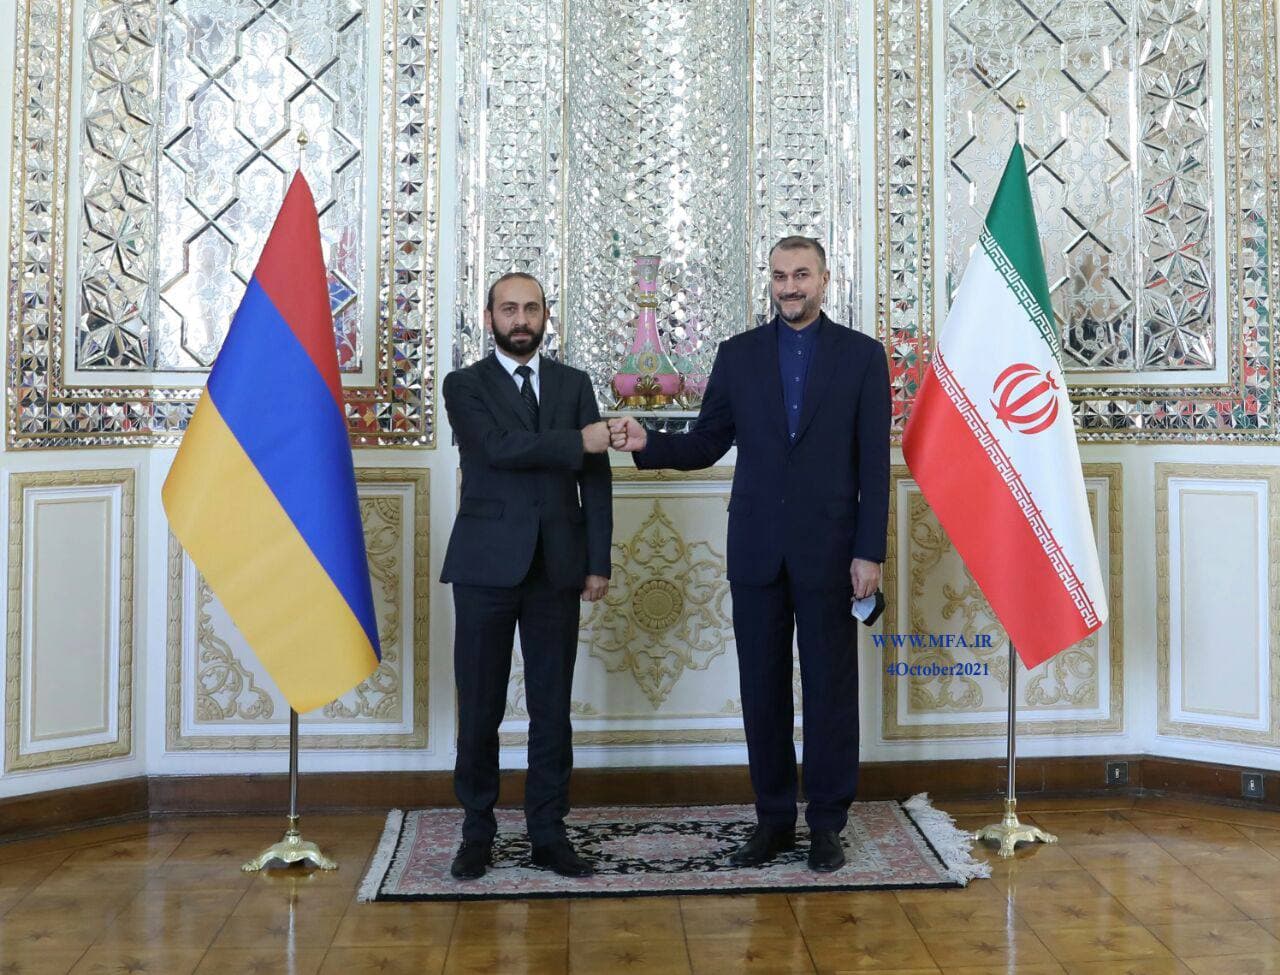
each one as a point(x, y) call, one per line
point(262, 493)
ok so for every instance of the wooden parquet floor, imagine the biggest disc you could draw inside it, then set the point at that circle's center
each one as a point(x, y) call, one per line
point(1146, 887)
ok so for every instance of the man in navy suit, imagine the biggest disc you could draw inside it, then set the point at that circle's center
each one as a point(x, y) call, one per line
point(807, 402)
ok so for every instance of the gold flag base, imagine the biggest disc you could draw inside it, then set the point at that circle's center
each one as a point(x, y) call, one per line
point(290, 850)
point(1009, 832)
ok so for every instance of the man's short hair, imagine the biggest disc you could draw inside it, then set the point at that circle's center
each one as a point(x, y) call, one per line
point(796, 242)
point(510, 275)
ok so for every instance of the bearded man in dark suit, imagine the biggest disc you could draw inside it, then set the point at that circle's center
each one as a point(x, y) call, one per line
point(807, 403)
point(532, 537)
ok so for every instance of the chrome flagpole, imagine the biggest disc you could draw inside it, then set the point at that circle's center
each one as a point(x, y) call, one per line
point(292, 848)
point(1009, 832)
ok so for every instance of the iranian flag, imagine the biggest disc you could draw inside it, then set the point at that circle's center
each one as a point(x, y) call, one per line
point(991, 442)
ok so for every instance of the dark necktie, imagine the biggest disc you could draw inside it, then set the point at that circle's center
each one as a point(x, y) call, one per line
point(527, 394)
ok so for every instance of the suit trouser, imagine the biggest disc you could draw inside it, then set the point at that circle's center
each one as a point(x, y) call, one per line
point(486, 620)
point(764, 618)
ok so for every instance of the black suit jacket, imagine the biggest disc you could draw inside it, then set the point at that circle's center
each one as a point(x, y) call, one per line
point(517, 481)
point(815, 503)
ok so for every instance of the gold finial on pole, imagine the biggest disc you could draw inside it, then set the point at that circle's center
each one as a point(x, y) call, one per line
point(302, 146)
point(1020, 106)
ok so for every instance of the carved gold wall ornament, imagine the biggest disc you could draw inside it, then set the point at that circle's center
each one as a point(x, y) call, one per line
point(667, 610)
point(657, 605)
point(941, 597)
point(224, 687)
point(379, 697)
point(516, 706)
point(603, 723)
point(229, 690)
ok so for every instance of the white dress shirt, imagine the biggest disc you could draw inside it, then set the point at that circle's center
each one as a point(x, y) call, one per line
point(511, 365)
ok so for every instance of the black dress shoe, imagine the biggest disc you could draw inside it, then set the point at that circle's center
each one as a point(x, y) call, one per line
point(764, 845)
point(825, 852)
point(561, 858)
point(472, 858)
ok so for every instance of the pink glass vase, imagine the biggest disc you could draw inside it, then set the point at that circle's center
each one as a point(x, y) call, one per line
point(647, 378)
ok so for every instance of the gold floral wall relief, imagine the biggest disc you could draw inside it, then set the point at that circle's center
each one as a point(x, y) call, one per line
point(218, 697)
point(379, 697)
point(667, 611)
point(931, 597)
point(224, 687)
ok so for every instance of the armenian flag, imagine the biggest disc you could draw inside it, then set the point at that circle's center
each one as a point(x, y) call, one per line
point(262, 493)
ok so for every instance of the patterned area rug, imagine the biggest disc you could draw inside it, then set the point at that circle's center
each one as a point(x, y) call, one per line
point(640, 850)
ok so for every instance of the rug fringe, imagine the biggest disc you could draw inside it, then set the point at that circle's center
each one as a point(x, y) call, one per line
point(381, 861)
point(952, 843)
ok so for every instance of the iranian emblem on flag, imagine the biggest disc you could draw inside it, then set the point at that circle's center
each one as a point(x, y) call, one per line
point(1027, 397)
point(991, 444)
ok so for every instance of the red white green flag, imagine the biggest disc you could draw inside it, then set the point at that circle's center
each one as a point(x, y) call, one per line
point(991, 442)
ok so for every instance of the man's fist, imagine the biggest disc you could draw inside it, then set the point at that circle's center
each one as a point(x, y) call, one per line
point(865, 576)
point(595, 587)
point(627, 434)
point(595, 437)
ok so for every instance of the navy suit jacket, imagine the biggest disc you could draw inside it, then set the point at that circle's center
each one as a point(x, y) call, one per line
point(519, 483)
point(813, 504)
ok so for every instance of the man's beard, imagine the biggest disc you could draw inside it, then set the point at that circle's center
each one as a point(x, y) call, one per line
point(808, 308)
point(518, 342)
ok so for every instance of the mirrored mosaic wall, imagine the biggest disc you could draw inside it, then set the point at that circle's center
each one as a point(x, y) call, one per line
point(1125, 179)
point(177, 207)
point(182, 135)
point(804, 151)
point(510, 158)
point(1127, 225)
point(658, 126)
point(700, 132)
point(1134, 182)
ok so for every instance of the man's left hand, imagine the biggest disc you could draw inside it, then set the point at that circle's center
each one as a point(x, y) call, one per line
point(597, 586)
point(865, 576)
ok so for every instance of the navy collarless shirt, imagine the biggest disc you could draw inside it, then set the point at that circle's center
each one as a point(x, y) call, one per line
point(795, 352)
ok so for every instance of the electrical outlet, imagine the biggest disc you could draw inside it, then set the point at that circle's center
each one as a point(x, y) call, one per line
point(1117, 773)
point(1251, 785)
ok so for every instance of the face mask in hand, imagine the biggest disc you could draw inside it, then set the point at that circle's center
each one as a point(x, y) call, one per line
point(868, 610)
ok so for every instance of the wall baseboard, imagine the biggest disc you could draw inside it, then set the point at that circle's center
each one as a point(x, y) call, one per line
point(330, 792)
point(44, 812)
